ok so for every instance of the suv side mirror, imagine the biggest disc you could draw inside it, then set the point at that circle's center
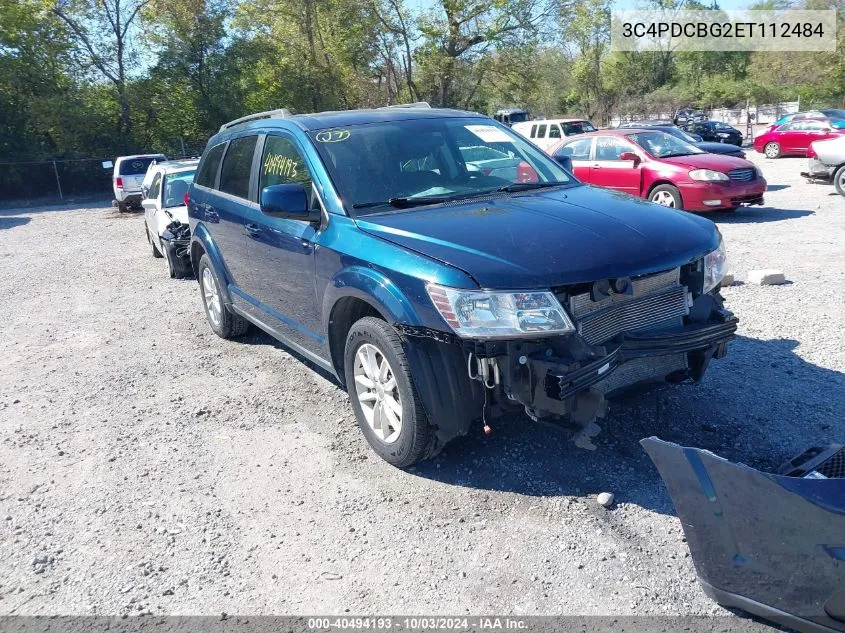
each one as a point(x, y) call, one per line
point(289, 202)
point(564, 161)
point(629, 156)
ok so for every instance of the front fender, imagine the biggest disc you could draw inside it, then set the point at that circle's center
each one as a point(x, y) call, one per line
point(201, 238)
point(373, 287)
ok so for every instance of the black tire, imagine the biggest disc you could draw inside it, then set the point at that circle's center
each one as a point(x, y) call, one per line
point(771, 150)
point(416, 440)
point(839, 180)
point(153, 241)
point(661, 190)
point(229, 324)
point(122, 207)
point(168, 255)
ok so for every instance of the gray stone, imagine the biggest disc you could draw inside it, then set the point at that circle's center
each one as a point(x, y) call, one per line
point(605, 499)
point(766, 277)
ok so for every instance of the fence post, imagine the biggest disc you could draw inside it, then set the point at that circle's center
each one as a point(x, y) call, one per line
point(58, 181)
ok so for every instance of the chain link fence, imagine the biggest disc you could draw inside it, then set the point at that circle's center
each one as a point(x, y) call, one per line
point(54, 180)
point(63, 179)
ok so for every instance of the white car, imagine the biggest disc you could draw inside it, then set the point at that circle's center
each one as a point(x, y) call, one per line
point(546, 132)
point(129, 172)
point(166, 214)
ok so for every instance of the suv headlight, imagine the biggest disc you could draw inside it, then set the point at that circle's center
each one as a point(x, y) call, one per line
point(715, 266)
point(708, 175)
point(495, 314)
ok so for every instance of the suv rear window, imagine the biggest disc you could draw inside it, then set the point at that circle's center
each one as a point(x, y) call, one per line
point(136, 166)
point(237, 166)
point(207, 172)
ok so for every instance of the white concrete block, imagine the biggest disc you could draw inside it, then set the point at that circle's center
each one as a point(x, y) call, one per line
point(766, 277)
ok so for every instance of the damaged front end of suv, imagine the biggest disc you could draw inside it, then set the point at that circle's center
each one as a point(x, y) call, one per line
point(770, 544)
point(599, 339)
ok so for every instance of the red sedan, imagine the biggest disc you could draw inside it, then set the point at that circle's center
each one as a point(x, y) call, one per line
point(794, 137)
point(663, 169)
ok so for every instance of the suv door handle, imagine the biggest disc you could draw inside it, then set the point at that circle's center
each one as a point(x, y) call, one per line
point(253, 230)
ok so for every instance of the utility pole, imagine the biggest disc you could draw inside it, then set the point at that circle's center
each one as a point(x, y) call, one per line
point(58, 181)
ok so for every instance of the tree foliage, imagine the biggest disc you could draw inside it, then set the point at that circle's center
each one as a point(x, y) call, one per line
point(102, 77)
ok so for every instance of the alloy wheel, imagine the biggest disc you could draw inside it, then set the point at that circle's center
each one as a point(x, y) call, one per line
point(212, 297)
point(378, 393)
point(663, 198)
point(771, 150)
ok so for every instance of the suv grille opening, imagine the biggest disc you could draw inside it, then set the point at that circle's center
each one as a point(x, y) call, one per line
point(817, 463)
point(656, 301)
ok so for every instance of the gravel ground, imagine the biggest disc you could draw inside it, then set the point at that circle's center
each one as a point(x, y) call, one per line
point(147, 466)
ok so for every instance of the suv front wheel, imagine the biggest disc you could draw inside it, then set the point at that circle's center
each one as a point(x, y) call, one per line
point(383, 396)
point(224, 323)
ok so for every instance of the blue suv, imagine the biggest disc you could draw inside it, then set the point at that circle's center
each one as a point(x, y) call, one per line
point(447, 271)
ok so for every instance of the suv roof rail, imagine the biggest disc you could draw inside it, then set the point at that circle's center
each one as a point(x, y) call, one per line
point(280, 113)
point(418, 104)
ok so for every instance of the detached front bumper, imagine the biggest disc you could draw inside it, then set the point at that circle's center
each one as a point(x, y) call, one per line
point(773, 545)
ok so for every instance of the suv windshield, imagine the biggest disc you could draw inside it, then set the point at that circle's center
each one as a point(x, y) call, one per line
point(426, 161)
point(136, 166)
point(662, 145)
point(176, 186)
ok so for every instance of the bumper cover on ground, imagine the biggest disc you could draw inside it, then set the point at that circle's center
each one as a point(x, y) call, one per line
point(772, 545)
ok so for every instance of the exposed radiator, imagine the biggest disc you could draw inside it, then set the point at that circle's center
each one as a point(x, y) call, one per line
point(656, 299)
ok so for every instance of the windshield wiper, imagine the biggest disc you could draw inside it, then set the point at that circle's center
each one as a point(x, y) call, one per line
point(401, 203)
point(526, 186)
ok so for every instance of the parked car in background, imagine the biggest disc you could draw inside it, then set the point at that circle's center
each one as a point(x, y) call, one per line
point(548, 132)
point(166, 214)
point(510, 116)
point(651, 164)
point(830, 114)
point(692, 139)
point(442, 297)
point(128, 176)
point(717, 132)
point(795, 137)
point(686, 116)
point(826, 162)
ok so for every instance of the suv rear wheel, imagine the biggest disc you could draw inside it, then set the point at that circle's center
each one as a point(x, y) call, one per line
point(383, 396)
point(224, 323)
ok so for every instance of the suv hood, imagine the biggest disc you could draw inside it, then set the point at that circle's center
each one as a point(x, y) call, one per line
point(541, 239)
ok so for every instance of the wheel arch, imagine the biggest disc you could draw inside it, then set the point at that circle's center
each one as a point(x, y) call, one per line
point(357, 292)
point(202, 244)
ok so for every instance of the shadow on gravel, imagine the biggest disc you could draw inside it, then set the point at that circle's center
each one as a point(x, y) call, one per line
point(259, 337)
point(752, 215)
point(10, 223)
point(51, 208)
point(761, 405)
